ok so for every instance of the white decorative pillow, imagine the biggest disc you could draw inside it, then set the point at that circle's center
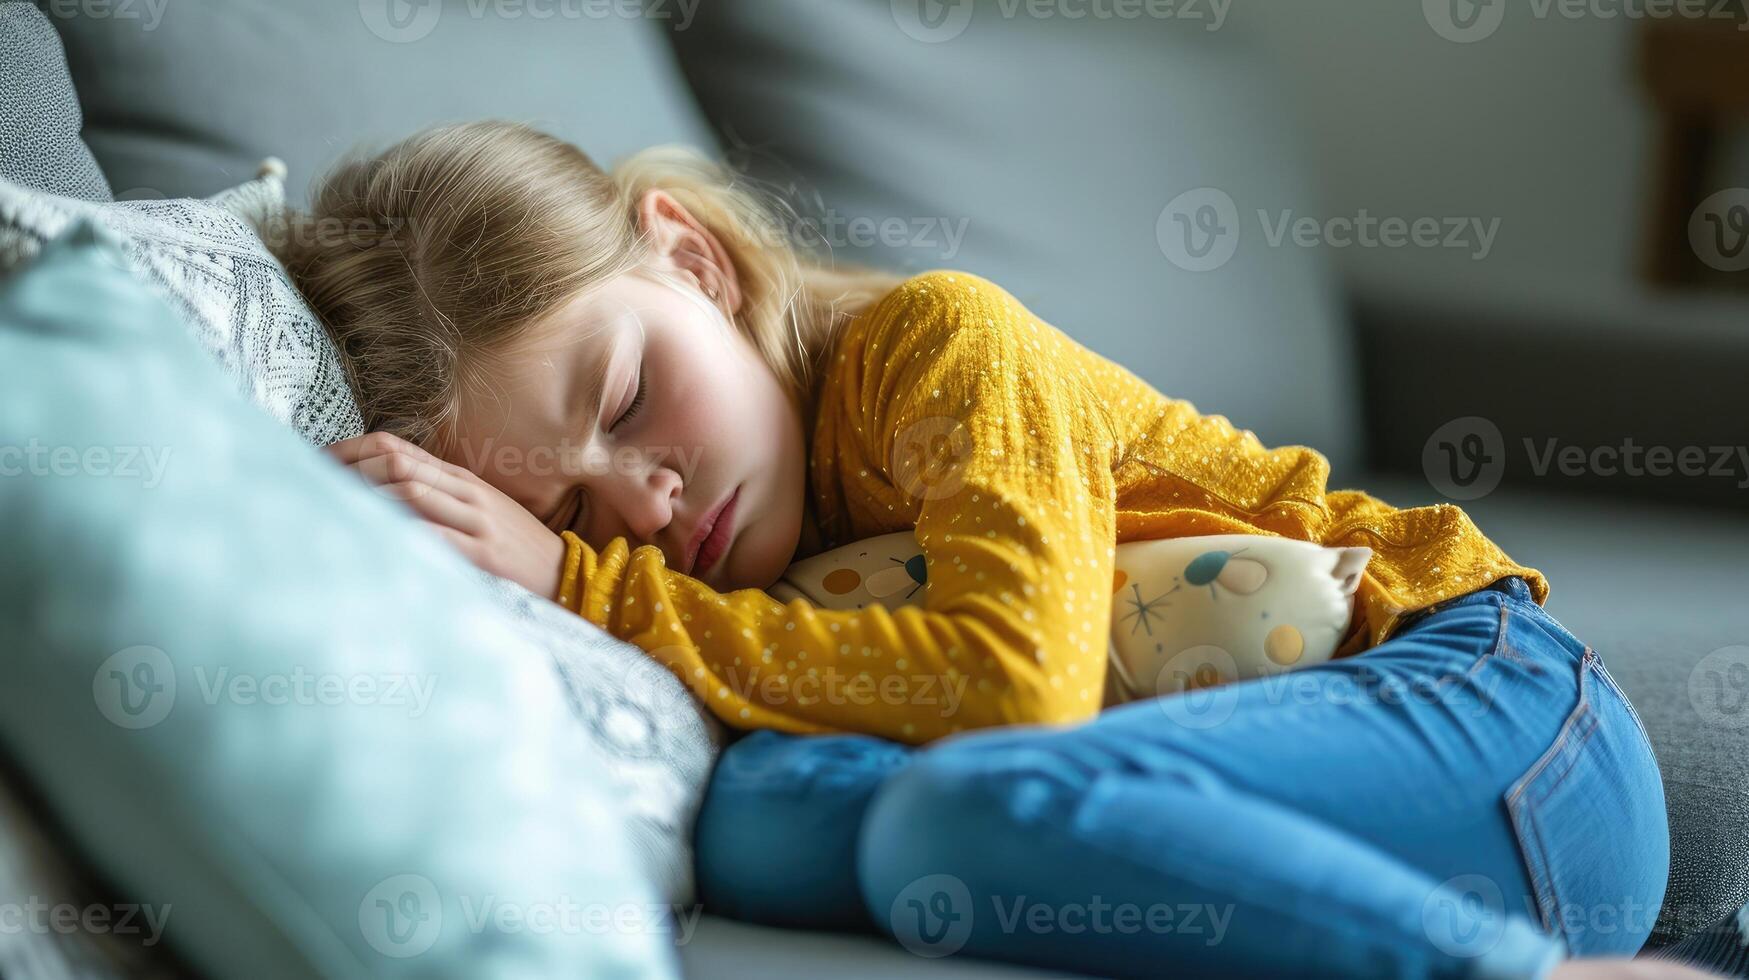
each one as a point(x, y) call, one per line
point(658, 743)
point(208, 260)
point(1187, 613)
point(1191, 613)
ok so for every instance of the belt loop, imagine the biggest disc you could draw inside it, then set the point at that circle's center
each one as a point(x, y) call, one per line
point(1516, 587)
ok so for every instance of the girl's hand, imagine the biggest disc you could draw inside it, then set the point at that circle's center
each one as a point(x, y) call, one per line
point(491, 530)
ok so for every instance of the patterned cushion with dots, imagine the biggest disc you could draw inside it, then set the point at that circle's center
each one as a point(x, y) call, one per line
point(1187, 613)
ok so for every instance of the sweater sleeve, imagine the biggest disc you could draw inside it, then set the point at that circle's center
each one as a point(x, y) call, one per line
point(954, 412)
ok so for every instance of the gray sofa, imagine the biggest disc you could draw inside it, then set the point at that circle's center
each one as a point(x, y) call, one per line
point(1042, 154)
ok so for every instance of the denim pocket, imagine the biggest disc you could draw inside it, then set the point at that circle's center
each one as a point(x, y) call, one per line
point(1590, 822)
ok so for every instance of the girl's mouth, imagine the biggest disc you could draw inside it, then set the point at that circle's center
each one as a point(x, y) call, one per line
point(716, 540)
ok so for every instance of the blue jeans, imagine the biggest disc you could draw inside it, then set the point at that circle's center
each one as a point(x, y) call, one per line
point(1472, 798)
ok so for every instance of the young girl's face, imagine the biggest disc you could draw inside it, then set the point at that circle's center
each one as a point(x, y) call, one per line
point(640, 412)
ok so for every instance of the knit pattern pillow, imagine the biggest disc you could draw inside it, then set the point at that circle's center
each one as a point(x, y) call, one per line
point(214, 270)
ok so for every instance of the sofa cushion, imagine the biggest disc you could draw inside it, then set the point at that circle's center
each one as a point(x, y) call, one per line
point(266, 698)
point(40, 145)
point(1056, 156)
point(1658, 591)
point(183, 98)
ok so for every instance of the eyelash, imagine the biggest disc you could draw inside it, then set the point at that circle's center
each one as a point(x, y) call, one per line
point(632, 409)
point(575, 504)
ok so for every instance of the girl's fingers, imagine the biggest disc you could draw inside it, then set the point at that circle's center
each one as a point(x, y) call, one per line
point(435, 505)
point(384, 458)
point(349, 451)
point(399, 467)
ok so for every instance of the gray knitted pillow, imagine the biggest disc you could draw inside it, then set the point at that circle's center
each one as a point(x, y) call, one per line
point(212, 267)
point(40, 145)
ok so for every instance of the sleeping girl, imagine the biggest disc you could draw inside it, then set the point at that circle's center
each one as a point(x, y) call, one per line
point(630, 392)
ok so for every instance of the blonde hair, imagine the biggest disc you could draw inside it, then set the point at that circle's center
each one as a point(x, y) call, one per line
point(429, 260)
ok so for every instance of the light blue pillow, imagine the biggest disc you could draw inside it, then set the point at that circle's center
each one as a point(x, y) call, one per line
point(266, 703)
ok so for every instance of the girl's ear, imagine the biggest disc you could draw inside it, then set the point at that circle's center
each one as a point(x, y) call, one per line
point(680, 243)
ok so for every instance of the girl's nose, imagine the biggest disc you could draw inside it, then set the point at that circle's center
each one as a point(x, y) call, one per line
point(647, 507)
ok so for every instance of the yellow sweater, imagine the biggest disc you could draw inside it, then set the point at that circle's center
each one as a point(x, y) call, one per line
point(1021, 458)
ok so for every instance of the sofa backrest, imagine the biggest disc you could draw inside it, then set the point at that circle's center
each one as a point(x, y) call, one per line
point(185, 98)
point(1064, 159)
point(1061, 158)
point(40, 146)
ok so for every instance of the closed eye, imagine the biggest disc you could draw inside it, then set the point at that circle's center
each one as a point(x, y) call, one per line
point(632, 409)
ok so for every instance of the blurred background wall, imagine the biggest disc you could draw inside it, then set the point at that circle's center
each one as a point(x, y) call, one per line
point(1543, 124)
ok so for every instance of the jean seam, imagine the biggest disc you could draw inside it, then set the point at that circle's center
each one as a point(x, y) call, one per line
point(1602, 671)
point(1493, 651)
point(1578, 729)
point(1537, 824)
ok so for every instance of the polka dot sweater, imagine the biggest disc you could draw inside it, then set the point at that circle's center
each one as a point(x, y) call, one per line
point(1021, 459)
